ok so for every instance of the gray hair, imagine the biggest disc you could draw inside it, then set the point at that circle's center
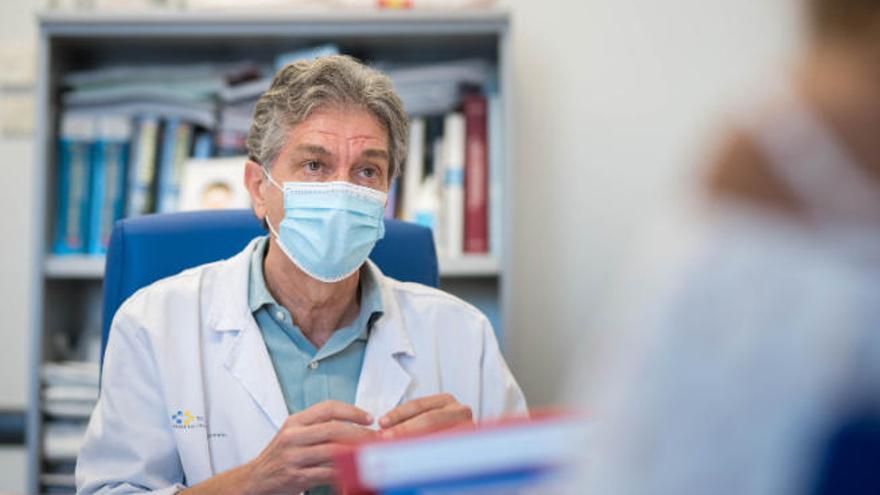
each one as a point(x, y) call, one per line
point(305, 86)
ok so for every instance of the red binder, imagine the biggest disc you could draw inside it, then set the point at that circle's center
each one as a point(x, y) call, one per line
point(492, 452)
point(476, 175)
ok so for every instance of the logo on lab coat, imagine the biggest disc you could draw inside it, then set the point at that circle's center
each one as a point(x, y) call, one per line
point(184, 419)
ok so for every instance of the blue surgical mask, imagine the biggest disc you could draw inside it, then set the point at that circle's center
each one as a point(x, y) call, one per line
point(329, 228)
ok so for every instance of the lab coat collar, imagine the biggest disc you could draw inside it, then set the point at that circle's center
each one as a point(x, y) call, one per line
point(383, 380)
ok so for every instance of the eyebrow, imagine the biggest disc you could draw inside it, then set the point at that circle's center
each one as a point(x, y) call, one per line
point(375, 153)
point(314, 148)
point(320, 150)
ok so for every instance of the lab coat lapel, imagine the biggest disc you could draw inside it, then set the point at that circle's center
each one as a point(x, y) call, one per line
point(384, 380)
point(245, 354)
point(248, 361)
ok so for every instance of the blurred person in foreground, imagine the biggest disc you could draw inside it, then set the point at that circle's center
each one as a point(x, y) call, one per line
point(765, 334)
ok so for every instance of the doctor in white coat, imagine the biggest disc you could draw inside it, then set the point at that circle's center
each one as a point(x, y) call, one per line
point(204, 392)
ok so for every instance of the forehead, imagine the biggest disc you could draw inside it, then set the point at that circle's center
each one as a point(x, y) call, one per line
point(340, 125)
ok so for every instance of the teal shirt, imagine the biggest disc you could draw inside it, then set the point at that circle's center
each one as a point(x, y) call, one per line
point(308, 375)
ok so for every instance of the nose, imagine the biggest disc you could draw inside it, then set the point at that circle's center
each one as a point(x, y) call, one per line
point(340, 174)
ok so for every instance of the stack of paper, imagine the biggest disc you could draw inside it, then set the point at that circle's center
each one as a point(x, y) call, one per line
point(71, 389)
point(62, 440)
point(182, 92)
point(434, 89)
point(69, 395)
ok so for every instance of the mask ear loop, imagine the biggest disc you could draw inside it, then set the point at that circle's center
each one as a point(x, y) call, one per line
point(268, 176)
point(268, 220)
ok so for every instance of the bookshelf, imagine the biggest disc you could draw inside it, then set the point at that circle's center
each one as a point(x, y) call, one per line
point(66, 297)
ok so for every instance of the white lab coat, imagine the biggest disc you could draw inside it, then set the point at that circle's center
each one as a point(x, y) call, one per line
point(189, 344)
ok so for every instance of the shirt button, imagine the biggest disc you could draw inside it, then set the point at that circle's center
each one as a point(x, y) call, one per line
point(313, 365)
point(279, 315)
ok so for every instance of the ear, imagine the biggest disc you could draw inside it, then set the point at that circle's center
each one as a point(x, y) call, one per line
point(254, 181)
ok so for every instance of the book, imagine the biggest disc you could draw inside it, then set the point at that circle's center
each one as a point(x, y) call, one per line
point(393, 194)
point(203, 144)
point(495, 121)
point(75, 141)
point(506, 456)
point(107, 179)
point(453, 184)
point(142, 167)
point(476, 180)
point(175, 145)
point(436, 189)
point(427, 205)
point(413, 170)
point(215, 183)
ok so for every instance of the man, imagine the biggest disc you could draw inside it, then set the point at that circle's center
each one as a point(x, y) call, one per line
point(245, 375)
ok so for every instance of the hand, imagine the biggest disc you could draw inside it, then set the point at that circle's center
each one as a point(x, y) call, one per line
point(301, 453)
point(436, 412)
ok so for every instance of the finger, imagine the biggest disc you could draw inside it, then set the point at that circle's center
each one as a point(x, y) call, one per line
point(333, 431)
point(413, 408)
point(438, 419)
point(313, 456)
point(332, 410)
point(314, 476)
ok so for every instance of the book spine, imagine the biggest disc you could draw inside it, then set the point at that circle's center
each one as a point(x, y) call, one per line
point(175, 151)
point(96, 196)
point(414, 170)
point(453, 184)
point(142, 168)
point(111, 158)
point(476, 188)
point(204, 145)
point(437, 190)
point(165, 170)
point(495, 120)
point(75, 153)
point(393, 194)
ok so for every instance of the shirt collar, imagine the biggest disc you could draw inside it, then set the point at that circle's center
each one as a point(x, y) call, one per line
point(258, 293)
point(370, 288)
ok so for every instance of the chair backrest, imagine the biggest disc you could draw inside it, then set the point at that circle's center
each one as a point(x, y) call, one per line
point(147, 248)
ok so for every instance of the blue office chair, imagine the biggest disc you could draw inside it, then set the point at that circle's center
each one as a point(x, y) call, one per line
point(148, 248)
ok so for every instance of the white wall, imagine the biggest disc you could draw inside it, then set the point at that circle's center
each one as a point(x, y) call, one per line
point(614, 102)
point(17, 31)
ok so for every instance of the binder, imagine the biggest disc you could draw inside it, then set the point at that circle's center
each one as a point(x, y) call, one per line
point(75, 143)
point(511, 454)
point(109, 162)
point(175, 145)
point(140, 197)
point(476, 175)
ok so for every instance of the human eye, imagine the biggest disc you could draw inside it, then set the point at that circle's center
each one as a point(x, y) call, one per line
point(313, 166)
point(370, 172)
